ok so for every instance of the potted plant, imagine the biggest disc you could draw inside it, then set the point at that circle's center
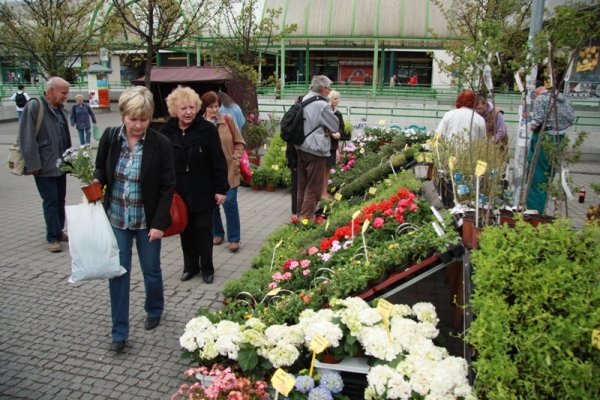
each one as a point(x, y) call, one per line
point(79, 162)
point(256, 133)
point(272, 178)
point(259, 178)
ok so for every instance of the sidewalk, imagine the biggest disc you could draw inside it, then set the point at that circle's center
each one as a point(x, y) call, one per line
point(54, 336)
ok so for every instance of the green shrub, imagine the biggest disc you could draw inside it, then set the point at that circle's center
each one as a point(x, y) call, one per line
point(536, 302)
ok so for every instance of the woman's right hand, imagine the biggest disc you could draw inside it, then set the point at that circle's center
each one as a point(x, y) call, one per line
point(95, 181)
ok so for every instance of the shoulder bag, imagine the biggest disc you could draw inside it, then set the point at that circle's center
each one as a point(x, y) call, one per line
point(16, 163)
point(245, 169)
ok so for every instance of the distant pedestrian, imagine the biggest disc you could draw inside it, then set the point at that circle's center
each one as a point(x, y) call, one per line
point(228, 106)
point(334, 100)
point(393, 81)
point(20, 98)
point(414, 80)
point(368, 79)
point(41, 153)
point(80, 118)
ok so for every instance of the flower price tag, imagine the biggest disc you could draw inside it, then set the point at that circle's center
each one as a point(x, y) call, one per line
point(384, 308)
point(388, 181)
point(318, 344)
point(481, 167)
point(265, 146)
point(275, 250)
point(327, 225)
point(338, 196)
point(274, 292)
point(452, 163)
point(372, 190)
point(596, 338)
point(364, 227)
point(382, 122)
point(283, 382)
point(283, 148)
point(275, 167)
point(333, 189)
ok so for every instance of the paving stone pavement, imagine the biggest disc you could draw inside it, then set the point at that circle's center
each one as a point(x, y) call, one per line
point(54, 336)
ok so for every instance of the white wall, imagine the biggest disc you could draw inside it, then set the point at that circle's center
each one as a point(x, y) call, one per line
point(438, 77)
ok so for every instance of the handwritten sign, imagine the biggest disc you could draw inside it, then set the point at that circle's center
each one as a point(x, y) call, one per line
point(275, 167)
point(337, 196)
point(273, 292)
point(384, 308)
point(481, 167)
point(372, 190)
point(283, 382)
point(318, 344)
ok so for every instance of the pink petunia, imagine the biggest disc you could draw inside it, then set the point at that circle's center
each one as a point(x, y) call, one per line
point(325, 257)
point(378, 223)
point(305, 263)
point(272, 285)
point(306, 272)
point(312, 251)
point(414, 207)
point(388, 212)
point(294, 265)
point(332, 171)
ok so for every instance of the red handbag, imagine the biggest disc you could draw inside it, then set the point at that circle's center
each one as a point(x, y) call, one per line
point(179, 216)
point(245, 169)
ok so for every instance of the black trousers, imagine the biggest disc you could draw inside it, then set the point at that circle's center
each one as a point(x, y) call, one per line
point(196, 243)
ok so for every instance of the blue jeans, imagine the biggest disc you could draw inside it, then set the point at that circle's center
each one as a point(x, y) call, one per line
point(19, 113)
point(149, 256)
point(53, 190)
point(88, 135)
point(232, 217)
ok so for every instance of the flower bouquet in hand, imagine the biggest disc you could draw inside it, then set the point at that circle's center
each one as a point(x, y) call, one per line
point(78, 161)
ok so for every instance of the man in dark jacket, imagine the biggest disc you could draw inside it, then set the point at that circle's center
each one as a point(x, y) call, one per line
point(42, 152)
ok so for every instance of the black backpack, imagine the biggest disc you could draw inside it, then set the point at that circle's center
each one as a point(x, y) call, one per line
point(21, 100)
point(292, 122)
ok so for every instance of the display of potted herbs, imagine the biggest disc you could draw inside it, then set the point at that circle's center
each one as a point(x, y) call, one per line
point(259, 179)
point(79, 162)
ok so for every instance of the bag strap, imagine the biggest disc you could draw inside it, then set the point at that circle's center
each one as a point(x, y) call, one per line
point(230, 131)
point(38, 123)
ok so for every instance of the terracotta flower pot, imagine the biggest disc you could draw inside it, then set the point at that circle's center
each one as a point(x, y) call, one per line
point(92, 192)
point(467, 231)
point(269, 188)
point(329, 359)
point(256, 187)
point(536, 219)
point(506, 216)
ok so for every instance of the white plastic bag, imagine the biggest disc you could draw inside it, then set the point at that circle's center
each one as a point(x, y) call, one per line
point(92, 243)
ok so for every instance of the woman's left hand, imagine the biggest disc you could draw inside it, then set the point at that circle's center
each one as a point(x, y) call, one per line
point(155, 234)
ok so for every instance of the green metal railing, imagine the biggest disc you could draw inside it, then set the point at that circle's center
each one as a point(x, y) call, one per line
point(8, 89)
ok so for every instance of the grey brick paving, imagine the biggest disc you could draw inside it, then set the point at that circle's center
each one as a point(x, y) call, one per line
point(54, 336)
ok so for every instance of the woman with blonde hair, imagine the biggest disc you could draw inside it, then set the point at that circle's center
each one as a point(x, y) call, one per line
point(136, 164)
point(201, 172)
point(334, 99)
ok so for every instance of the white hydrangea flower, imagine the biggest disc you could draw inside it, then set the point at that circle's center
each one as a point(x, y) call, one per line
point(282, 355)
point(425, 348)
point(256, 324)
point(427, 330)
point(375, 341)
point(253, 337)
point(403, 331)
point(330, 331)
point(425, 312)
point(401, 310)
point(188, 342)
point(209, 351)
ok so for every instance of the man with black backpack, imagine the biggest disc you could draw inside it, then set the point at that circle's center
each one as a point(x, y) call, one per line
point(20, 98)
point(319, 123)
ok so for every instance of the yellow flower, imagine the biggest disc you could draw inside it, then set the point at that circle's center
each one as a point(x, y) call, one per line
point(390, 247)
point(367, 263)
point(305, 221)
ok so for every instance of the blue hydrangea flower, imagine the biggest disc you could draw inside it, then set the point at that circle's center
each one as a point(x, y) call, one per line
point(304, 384)
point(320, 393)
point(332, 381)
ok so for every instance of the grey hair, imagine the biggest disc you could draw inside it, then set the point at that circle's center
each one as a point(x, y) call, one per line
point(319, 82)
point(56, 82)
point(78, 96)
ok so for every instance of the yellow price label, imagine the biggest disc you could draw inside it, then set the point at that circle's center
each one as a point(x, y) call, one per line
point(384, 308)
point(362, 150)
point(365, 226)
point(327, 225)
point(342, 185)
point(338, 196)
point(274, 292)
point(372, 190)
point(596, 338)
point(387, 182)
point(452, 163)
point(318, 344)
point(275, 167)
point(386, 325)
point(481, 167)
point(406, 146)
point(279, 244)
point(356, 214)
point(265, 146)
point(283, 382)
point(436, 138)
point(325, 210)
point(283, 148)
point(333, 189)
point(381, 121)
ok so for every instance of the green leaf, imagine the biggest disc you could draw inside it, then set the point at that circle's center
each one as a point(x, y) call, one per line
point(248, 359)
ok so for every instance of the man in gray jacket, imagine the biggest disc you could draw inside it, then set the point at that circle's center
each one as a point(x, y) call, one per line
point(41, 154)
point(313, 153)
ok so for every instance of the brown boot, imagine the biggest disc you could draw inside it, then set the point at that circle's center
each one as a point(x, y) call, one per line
point(54, 247)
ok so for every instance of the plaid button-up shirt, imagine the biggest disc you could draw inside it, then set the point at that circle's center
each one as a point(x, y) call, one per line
point(127, 203)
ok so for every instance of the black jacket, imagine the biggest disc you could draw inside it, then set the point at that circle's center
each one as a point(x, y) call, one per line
point(157, 173)
point(200, 164)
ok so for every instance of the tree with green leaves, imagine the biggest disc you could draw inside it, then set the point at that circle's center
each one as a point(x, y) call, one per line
point(53, 33)
point(162, 24)
point(239, 38)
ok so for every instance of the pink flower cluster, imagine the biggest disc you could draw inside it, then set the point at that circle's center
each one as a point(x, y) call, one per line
point(288, 267)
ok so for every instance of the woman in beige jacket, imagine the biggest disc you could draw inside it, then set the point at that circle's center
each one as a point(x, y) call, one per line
point(233, 146)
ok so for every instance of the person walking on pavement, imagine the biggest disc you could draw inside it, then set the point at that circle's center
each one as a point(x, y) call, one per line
point(201, 171)
point(554, 131)
point(80, 118)
point(136, 165)
point(42, 152)
point(334, 100)
point(312, 154)
point(20, 98)
point(233, 146)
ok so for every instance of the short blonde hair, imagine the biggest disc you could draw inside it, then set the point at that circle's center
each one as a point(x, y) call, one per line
point(180, 95)
point(137, 102)
point(333, 95)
